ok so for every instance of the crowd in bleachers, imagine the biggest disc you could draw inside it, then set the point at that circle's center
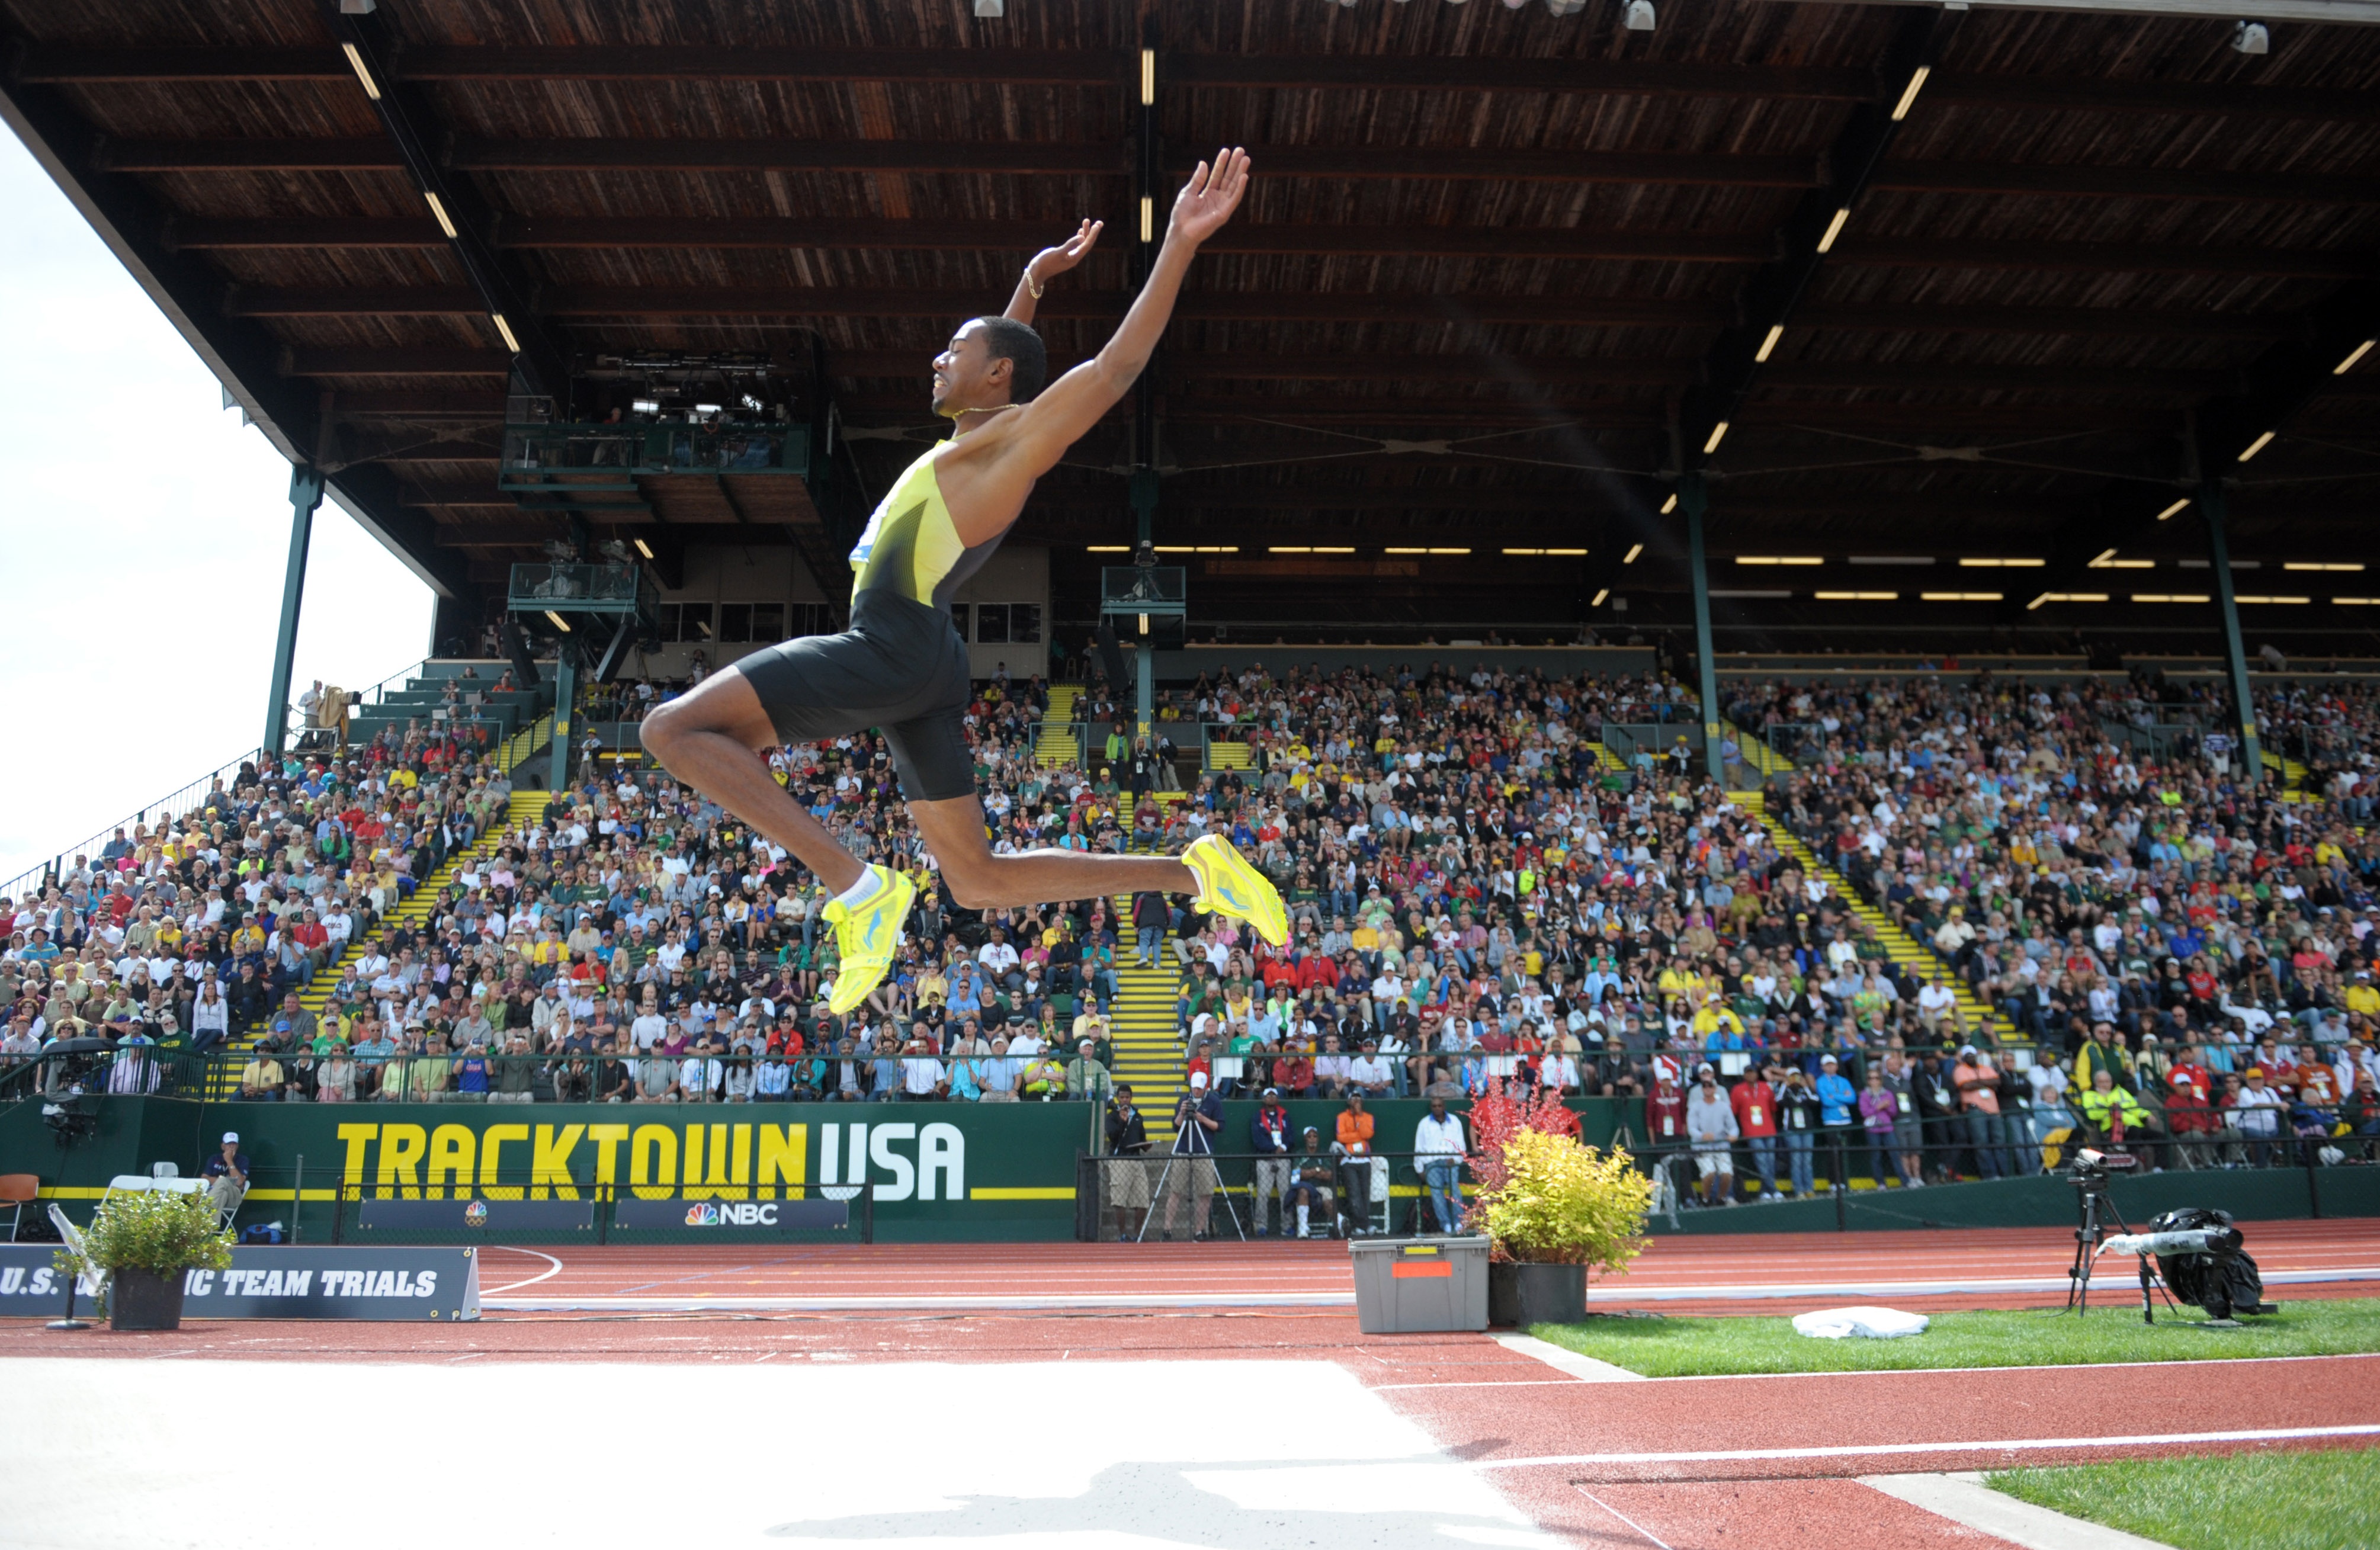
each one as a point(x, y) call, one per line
point(1476, 890)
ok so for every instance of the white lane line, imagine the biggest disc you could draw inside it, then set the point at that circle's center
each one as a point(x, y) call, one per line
point(554, 1268)
point(1966, 1500)
point(1499, 1383)
point(1622, 1516)
point(557, 1300)
point(1586, 1368)
point(1882, 1449)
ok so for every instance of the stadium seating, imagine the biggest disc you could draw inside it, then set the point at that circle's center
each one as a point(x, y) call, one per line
point(1487, 878)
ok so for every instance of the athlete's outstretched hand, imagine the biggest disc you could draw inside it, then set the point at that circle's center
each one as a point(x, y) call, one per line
point(1210, 196)
point(1066, 255)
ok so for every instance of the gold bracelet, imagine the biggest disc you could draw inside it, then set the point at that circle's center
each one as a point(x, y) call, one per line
point(1031, 283)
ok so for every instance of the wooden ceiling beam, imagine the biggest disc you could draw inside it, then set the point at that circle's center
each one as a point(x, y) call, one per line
point(1057, 158)
point(70, 65)
point(775, 233)
point(1325, 307)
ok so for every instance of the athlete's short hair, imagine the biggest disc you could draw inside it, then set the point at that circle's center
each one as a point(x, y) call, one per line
point(1022, 349)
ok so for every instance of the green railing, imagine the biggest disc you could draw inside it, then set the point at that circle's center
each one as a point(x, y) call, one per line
point(532, 452)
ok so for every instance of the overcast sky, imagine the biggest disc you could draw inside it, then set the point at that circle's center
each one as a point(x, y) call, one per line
point(146, 534)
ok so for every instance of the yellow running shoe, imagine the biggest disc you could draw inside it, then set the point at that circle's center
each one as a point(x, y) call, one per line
point(1228, 885)
point(868, 937)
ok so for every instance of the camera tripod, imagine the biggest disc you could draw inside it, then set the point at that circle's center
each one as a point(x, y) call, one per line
point(2088, 1235)
point(1159, 1200)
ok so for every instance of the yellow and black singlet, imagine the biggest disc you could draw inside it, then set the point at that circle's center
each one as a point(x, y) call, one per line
point(912, 548)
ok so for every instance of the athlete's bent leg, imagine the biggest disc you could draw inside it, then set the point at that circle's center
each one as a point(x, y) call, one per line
point(708, 738)
point(978, 880)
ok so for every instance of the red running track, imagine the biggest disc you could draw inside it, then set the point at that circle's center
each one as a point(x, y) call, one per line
point(1765, 1274)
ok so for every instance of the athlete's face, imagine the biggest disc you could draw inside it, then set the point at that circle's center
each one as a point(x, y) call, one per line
point(965, 375)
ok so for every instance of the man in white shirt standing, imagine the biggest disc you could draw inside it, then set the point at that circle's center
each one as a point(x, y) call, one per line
point(1438, 1151)
point(1711, 1127)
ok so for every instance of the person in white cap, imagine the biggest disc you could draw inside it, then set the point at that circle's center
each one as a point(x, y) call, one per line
point(1192, 1179)
point(1712, 1129)
point(227, 1175)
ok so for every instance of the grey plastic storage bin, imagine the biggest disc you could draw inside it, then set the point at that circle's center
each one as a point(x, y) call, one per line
point(1416, 1285)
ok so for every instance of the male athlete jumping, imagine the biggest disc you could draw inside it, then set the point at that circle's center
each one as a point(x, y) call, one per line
point(902, 667)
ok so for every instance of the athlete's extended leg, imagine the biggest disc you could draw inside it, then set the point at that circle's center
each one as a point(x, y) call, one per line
point(710, 739)
point(979, 879)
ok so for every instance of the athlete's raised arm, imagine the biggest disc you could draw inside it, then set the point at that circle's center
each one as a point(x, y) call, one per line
point(1046, 265)
point(1043, 430)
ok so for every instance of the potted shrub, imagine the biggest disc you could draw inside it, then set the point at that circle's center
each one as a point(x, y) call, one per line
point(144, 1244)
point(1552, 1207)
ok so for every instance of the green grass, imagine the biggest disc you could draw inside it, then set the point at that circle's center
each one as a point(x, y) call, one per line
point(1667, 1348)
point(2245, 1501)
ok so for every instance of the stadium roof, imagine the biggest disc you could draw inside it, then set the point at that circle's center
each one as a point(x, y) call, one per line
point(1501, 278)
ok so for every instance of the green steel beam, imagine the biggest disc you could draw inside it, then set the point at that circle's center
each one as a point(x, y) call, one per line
point(1694, 498)
point(304, 499)
point(2212, 507)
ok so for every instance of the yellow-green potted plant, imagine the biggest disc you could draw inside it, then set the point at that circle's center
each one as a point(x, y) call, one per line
point(1554, 1209)
point(144, 1244)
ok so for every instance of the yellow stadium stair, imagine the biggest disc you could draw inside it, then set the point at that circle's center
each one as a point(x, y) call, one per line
point(522, 807)
point(1899, 945)
point(1758, 754)
point(1607, 759)
point(1223, 754)
point(1146, 1041)
point(2291, 772)
point(1058, 745)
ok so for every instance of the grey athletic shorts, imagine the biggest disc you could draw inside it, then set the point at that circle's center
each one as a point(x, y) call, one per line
point(901, 668)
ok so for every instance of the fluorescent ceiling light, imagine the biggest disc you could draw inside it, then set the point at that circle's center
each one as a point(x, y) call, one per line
point(1781, 560)
point(2245, 598)
point(1961, 597)
point(2322, 566)
point(2259, 445)
point(2170, 598)
point(1909, 94)
point(2344, 367)
point(1148, 78)
point(506, 330)
point(2171, 510)
point(1636, 549)
point(558, 621)
point(1607, 592)
point(1719, 434)
point(1986, 562)
point(356, 62)
point(1857, 597)
point(438, 209)
point(1776, 331)
point(1892, 559)
point(644, 549)
point(1834, 229)
point(1667, 507)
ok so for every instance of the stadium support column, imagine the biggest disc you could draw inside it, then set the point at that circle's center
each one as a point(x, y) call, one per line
point(305, 496)
point(2211, 505)
point(1144, 510)
point(1694, 498)
point(566, 694)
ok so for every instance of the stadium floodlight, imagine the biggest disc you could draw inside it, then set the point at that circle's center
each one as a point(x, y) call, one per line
point(2252, 37)
point(1639, 17)
point(985, 9)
